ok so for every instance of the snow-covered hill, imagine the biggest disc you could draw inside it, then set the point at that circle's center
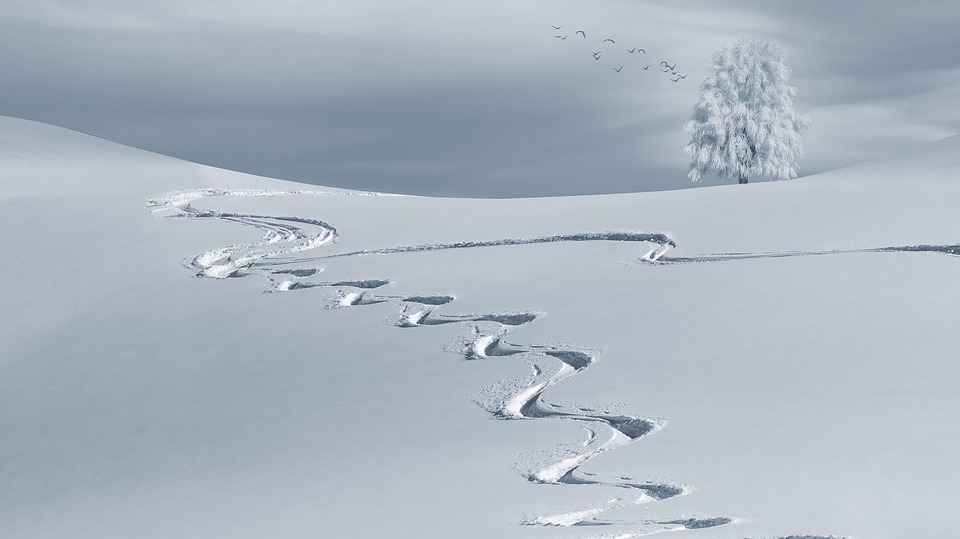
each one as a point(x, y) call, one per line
point(193, 352)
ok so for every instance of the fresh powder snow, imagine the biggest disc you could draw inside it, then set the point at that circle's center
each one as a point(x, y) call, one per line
point(195, 352)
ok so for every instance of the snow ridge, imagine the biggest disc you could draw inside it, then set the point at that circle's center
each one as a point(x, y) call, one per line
point(521, 399)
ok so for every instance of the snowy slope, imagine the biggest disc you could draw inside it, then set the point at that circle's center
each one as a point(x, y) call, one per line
point(192, 352)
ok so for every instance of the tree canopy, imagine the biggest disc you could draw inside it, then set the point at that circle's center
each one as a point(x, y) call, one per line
point(744, 124)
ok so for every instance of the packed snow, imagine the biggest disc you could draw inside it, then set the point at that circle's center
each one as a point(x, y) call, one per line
point(194, 352)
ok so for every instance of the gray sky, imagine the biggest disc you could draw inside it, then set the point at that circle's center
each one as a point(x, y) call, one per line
point(466, 97)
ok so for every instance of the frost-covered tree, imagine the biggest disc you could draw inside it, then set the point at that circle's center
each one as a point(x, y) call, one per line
point(744, 125)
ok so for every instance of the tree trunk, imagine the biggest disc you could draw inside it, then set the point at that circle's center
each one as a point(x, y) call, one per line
point(749, 161)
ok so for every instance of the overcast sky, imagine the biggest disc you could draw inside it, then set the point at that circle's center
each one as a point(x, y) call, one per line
point(466, 97)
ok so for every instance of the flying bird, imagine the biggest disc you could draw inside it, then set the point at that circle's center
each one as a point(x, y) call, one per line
point(679, 76)
point(610, 40)
point(668, 66)
point(581, 32)
point(556, 27)
point(676, 79)
point(643, 51)
point(597, 56)
point(646, 67)
point(617, 69)
point(560, 37)
point(633, 50)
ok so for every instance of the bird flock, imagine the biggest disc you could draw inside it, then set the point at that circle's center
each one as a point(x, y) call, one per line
point(609, 46)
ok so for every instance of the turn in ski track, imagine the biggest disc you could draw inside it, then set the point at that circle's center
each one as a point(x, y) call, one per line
point(276, 258)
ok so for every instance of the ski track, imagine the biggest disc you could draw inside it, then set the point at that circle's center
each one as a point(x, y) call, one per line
point(949, 250)
point(286, 237)
point(663, 243)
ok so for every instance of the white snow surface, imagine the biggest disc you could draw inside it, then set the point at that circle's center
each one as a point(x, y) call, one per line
point(191, 352)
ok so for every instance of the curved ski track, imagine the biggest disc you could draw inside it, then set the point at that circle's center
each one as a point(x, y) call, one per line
point(274, 258)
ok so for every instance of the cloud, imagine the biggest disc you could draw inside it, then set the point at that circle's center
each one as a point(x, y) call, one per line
point(471, 98)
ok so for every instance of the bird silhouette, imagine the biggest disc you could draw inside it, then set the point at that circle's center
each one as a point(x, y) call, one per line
point(597, 56)
point(633, 50)
point(581, 32)
point(560, 37)
point(610, 40)
point(643, 51)
point(646, 67)
point(556, 27)
point(679, 76)
point(668, 66)
point(676, 79)
point(617, 69)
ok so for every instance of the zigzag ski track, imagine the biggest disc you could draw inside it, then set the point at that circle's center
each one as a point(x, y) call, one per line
point(280, 259)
